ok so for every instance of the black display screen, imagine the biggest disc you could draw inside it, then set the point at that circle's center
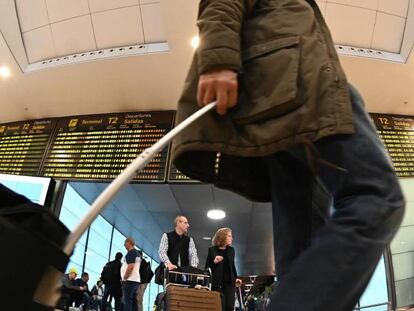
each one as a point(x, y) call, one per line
point(97, 147)
point(23, 145)
point(397, 134)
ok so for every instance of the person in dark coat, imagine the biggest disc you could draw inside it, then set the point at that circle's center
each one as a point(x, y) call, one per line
point(289, 129)
point(69, 290)
point(84, 296)
point(112, 282)
point(220, 260)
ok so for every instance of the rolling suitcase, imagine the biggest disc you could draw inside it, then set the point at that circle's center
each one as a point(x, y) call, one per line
point(179, 298)
point(190, 292)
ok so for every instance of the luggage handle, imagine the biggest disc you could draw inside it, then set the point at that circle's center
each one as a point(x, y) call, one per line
point(199, 276)
point(126, 176)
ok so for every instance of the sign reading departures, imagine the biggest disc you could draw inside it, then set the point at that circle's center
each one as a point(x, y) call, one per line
point(397, 134)
point(99, 147)
point(23, 145)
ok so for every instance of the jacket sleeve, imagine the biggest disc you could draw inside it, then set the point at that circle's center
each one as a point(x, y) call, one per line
point(210, 260)
point(234, 266)
point(219, 23)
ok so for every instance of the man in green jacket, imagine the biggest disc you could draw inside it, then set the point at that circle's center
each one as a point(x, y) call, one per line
point(289, 129)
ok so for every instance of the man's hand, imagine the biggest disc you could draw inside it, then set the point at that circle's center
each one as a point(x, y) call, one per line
point(170, 266)
point(220, 86)
point(239, 282)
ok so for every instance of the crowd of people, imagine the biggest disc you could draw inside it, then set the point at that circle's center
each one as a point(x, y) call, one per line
point(122, 279)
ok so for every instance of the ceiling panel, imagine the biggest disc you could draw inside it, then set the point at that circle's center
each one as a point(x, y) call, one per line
point(368, 4)
point(73, 36)
point(39, 44)
point(32, 14)
point(128, 197)
point(154, 30)
point(148, 1)
point(388, 34)
point(118, 27)
point(104, 5)
point(231, 202)
point(195, 196)
point(397, 7)
point(60, 10)
point(351, 25)
point(157, 198)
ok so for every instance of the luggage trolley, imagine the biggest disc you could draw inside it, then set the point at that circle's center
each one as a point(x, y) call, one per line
point(188, 291)
point(44, 293)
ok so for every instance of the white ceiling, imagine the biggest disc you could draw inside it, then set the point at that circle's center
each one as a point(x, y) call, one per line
point(373, 24)
point(53, 28)
point(154, 82)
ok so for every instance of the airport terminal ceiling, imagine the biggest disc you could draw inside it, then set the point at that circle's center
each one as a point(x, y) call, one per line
point(153, 81)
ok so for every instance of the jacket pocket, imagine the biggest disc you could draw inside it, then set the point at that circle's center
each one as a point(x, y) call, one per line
point(269, 81)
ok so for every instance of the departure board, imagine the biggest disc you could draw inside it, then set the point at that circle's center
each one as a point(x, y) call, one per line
point(23, 145)
point(175, 175)
point(397, 134)
point(99, 147)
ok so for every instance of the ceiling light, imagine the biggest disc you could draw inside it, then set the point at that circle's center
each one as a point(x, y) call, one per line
point(216, 214)
point(207, 238)
point(4, 72)
point(195, 41)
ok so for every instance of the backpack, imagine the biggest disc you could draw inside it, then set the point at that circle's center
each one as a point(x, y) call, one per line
point(145, 271)
point(110, 273)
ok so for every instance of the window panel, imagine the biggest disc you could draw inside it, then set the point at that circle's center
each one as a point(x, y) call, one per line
point(118, 240)
point(377, 291)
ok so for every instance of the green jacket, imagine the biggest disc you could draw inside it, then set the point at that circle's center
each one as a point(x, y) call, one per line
point(292, 90)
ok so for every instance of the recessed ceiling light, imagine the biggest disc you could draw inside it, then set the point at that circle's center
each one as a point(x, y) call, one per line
point(207, 238)
point(195, 42)
point(216, 214)
point(4, 72)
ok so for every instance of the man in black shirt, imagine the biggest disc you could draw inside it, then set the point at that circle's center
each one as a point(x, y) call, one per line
point(84, 296)
point(69, 290)
point(177, 249)
point(111, 276)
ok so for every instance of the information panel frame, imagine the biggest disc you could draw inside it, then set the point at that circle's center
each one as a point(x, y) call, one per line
point(23, 145)
point(98, 147)
point(397, 134)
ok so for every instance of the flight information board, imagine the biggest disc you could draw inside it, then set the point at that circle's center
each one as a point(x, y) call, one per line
point(397, 134)
point(97, 147)
point(174, 175)
point(23, 145)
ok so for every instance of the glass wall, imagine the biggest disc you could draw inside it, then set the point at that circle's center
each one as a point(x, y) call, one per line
point(33, 188)
point(377, 291)
point(95, 249)
point(402, 249)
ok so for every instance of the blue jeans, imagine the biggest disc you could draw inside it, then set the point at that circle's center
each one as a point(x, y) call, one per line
point(330, 227)
point(129, 295)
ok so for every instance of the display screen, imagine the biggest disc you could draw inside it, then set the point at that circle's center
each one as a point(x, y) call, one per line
point(23, 145)
point(99, 147)
point(175, 175)
point(397, 134)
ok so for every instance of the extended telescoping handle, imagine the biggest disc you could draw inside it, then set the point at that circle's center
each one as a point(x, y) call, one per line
point(126, 176)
